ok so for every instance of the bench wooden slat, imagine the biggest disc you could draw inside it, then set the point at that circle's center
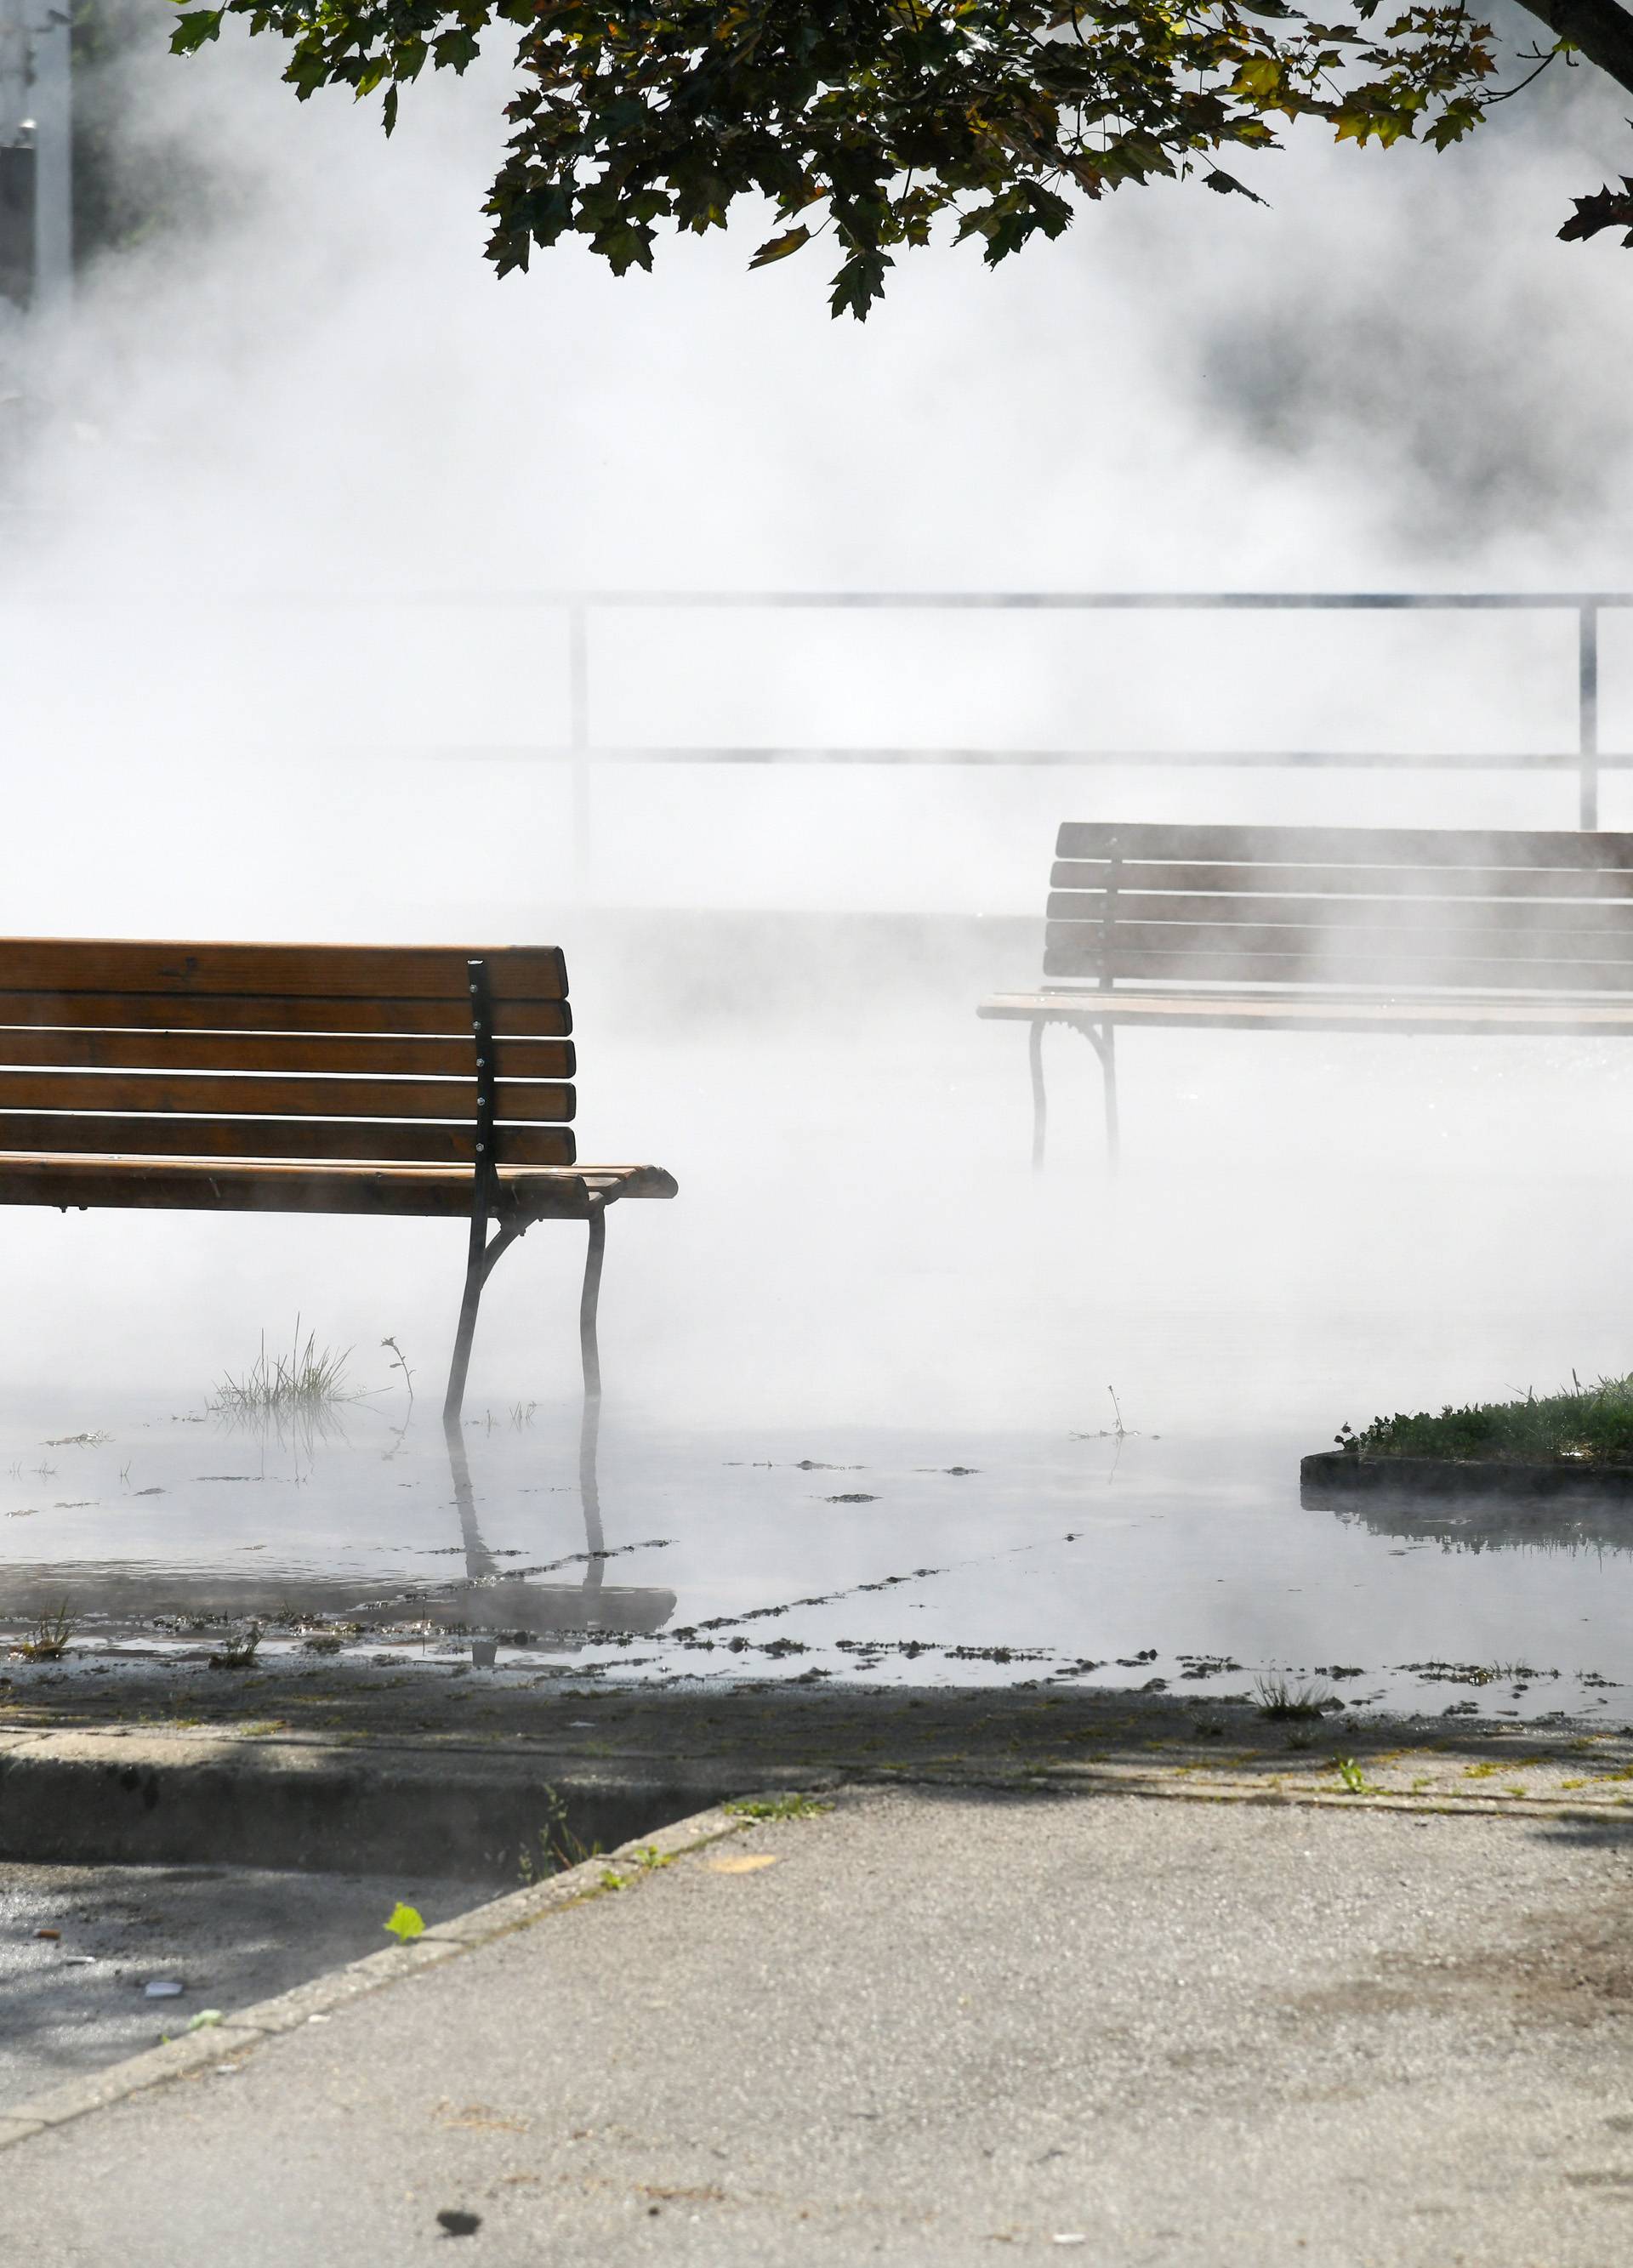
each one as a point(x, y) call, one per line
point(1488, 922)
point(143, 1012)
point(1544, 882)
point(364, 1139)
point(367, 972)
point(251, 1095)
point(1239, 968)
point(1343, 846)
point(1395, 937)
point(381, 1054)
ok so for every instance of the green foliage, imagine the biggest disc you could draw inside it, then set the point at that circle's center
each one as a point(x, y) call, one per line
point(561, 1847)
point(1277, 1697)
point(777, 1807)
point(1606, 208)
point(49, 1640)
point(872, 120)
point(1352, 1775)
point(405, 1923)
point(1589, 1425)
point(238, 1649)
point(309, 1380)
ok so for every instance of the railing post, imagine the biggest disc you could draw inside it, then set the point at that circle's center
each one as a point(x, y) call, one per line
point(579, 740)
point(1587, 715)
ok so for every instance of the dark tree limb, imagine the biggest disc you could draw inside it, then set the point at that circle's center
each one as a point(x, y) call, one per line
point(1597, 29)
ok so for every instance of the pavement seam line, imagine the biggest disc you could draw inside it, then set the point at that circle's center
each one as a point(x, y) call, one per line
point(1073, 1781)
point(240, 2034)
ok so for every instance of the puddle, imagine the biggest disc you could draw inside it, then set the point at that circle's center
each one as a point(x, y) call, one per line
point(899, 1554)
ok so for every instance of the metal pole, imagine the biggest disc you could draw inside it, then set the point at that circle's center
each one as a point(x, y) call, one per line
point(577, 740)
point(50, 101)
point(1587, 714)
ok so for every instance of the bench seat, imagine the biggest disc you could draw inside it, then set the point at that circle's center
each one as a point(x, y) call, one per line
point(525, 1193)
point(1195, 1010)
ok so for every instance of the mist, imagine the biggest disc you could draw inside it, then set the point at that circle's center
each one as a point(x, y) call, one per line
point(290, 485)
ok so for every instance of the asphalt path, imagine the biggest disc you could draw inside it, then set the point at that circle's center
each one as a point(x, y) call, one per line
point(940, 2025)
point(79, 1946)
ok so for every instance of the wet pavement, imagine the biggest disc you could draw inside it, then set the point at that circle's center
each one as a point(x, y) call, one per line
point(80, 1947)
point(645, 1553)
point(859, 1424)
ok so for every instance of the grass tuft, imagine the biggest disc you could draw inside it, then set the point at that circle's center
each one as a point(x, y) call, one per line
point(560, 1849)
point(237, 1650)
point(777, 1807)
point(51, 1635)
point(307, 1381)
point(1587, 1425)
point(1277, 1696)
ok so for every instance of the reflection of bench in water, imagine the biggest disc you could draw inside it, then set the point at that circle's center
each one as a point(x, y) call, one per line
point(492, 1601)
point(485, 1601)
point(106, 1588)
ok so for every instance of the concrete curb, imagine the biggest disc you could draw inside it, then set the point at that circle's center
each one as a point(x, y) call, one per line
point(132, 1797)
point(240, 2035)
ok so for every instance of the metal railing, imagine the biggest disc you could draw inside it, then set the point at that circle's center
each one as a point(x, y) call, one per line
point(1586, 759)
point(582, 751)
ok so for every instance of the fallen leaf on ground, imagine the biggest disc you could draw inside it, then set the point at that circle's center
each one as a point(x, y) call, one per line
point(745, 1863)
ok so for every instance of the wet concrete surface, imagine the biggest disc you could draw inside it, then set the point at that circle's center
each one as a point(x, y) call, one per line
point(669, 1556)
point(934, 2026)
point(79, 1946)
point(859, 1421)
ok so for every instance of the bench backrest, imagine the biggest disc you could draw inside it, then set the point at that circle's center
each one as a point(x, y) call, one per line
point(281, 1051)
point(1395, 908)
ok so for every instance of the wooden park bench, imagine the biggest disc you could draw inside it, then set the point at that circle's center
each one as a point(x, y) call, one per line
point(1412, 930)
point(328, 1079)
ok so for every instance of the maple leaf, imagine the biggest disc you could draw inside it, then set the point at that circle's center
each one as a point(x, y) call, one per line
point(778, 248)
point(1227, 185)
point(1607, 207)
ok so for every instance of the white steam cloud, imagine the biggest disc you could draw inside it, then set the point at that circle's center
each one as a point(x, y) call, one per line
point(253, 438)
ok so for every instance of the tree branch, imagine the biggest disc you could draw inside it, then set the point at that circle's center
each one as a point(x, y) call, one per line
point(1600, 29)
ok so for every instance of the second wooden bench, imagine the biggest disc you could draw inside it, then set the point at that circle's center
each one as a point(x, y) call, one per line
point(1409, 930)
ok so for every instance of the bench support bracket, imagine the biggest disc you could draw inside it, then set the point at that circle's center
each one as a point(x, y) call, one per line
point(1102, 1037)
point(483, 1252)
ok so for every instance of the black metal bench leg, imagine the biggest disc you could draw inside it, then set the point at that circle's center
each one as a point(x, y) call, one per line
point(589, 1494)
point(590, 1300)
point(1040, 1108)
point(1108, 1063)
point(476, 1276)
point(1103, 1039)
point(484, 1254)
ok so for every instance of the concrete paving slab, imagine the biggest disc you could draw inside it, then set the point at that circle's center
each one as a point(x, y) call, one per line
point(933, 2026)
